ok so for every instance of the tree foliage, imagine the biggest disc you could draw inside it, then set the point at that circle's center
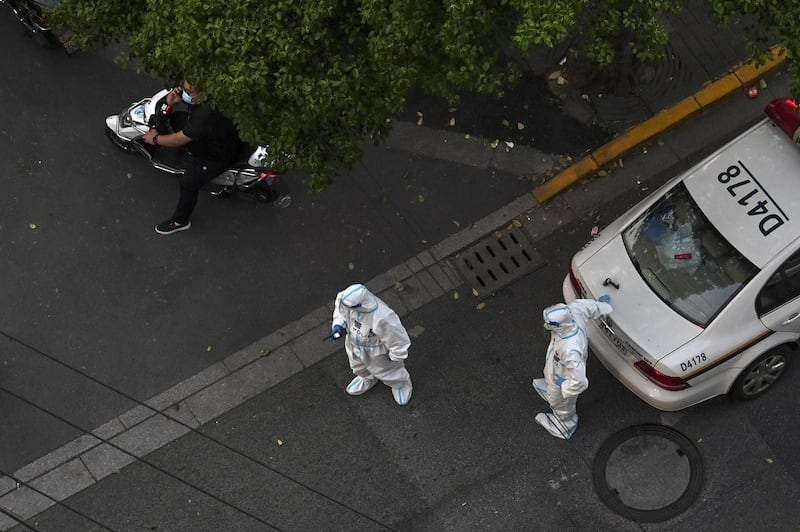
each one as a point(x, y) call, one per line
point(312, 78)
point(774, 22)
point(316, 78)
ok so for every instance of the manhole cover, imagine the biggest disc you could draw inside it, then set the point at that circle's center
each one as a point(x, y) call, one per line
point(648, 473)
point(497, 260)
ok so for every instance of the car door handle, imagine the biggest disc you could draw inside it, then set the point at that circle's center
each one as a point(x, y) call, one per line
point(790, 320)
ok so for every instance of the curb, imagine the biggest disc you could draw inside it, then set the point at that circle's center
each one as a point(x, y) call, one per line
point(739, 77)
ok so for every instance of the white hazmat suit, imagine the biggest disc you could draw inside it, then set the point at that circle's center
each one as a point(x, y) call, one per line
point(376, 342)
point(565, 364)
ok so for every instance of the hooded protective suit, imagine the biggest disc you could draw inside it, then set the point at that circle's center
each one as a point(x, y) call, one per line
point(565, 364)
point(376, 342)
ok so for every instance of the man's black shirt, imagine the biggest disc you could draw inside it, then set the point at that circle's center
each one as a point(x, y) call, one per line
point(214, 137)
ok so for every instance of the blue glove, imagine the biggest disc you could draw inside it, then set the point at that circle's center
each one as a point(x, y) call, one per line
point(337, 332)
point(605, 298)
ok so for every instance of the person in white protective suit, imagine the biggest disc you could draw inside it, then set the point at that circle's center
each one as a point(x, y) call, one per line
point(375, 340)
point(565, 364)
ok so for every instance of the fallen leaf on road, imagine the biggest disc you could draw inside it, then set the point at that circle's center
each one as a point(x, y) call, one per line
point(32, 226)
point(419, 122)
point(554, 75)
point(602, 173)
point(419, 114)
point(506, 123)
point(517, 223)
point(351, 266)
point(494, 143)
point(280, 442)
point(421, 198)
point(770, 460)
point(480, 305)
point(452, 122)
point(466, 136)
point(398, 286)
point(498, 234)
point(475, 293)
point(520, 126)
point(416, 331)
point(619, 162)
point(455, 295)
point(208, 348)
point(456, 223)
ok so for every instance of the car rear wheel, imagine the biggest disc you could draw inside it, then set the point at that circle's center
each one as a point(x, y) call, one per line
point(761, 374)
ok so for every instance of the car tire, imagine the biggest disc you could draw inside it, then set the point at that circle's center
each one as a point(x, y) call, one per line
point(762, 373)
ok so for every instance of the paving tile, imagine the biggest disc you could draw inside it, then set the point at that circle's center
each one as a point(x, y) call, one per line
point(7, 484)
point(414, 294)
point(136, 415)
point(389, 296)
point(109, 429)
point(65, 480)
point(150, 435)
point(25, 502)
point(187, 387)
point(293, 330)
point(311, 348)
point(105, 459)
point(59, 456)
point(242, 385)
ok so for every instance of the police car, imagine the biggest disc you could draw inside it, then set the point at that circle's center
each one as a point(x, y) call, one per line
point(704, 274)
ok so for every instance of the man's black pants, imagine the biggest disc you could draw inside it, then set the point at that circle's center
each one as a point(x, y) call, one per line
point(197, 175)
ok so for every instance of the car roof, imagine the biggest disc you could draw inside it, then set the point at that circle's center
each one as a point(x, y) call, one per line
point(750, 191)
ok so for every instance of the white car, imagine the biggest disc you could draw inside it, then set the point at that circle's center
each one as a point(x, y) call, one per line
point(704, 274)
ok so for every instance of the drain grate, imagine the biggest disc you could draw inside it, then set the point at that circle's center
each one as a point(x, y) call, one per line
point(497, 260)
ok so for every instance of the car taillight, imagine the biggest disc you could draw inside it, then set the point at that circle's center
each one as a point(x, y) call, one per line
point(576, 286)
point(784, 113)
point(662, 380)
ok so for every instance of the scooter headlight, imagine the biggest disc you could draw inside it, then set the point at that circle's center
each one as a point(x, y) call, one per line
point(125, 119)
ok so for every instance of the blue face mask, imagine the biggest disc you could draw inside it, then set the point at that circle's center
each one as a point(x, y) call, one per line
point(186, 98)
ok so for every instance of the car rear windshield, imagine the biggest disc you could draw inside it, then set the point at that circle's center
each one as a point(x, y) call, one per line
point(684, 259)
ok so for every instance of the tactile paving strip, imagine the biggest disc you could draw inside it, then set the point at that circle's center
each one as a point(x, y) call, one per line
point(497, 260)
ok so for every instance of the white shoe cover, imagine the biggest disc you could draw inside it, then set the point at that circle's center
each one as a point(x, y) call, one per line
point(360, 385)
point(540, 385)
point(557, 427)
point(402, 394)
